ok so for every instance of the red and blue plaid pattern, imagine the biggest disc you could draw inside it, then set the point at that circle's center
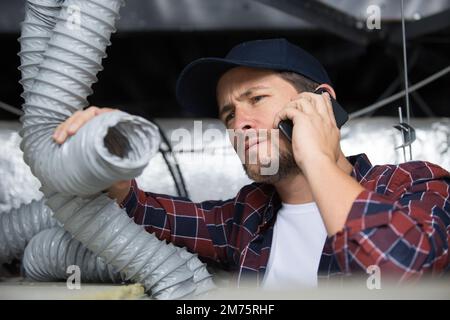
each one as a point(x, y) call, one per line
point(401, 223)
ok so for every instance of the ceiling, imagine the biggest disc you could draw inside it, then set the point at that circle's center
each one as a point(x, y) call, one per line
point(208, 15)
point(157, 38)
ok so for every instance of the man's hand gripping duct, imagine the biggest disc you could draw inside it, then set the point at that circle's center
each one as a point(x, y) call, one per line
point(62, 46)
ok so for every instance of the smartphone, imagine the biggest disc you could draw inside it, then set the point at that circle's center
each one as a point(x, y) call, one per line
point(340, 115)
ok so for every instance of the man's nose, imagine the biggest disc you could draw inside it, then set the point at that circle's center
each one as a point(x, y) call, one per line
point(243, 120)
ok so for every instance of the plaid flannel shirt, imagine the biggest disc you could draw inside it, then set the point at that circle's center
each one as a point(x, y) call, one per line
point(400, 222)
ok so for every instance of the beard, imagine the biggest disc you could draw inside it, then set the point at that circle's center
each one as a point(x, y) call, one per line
point(287, 168)
point(272, 161)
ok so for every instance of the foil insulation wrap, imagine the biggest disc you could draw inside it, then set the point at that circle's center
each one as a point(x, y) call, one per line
point(213, 162)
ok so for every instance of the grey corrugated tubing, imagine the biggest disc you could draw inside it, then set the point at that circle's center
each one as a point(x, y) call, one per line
point(51, 251)
point(99, 224)
point(112, 146)
point(18, 226)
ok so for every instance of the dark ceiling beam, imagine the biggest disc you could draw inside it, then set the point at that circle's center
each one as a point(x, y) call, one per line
point(415, 29)
point(327, 18)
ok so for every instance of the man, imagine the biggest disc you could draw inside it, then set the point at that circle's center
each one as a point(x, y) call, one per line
point(320, 213)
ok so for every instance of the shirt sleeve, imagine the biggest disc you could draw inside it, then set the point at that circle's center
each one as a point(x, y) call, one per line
point(203, 228)
point(405, 234)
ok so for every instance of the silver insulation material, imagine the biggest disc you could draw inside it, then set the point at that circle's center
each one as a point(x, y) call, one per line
point(205, 156)
point(50, 253)
point(17, 185)
point(375, 136)
point(213, 162)
point(378, 139)
point(19, 226)
point(59, 65)
point(111, 147)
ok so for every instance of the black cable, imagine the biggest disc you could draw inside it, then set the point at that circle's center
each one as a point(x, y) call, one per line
point(10, 108)
point(172, 173)
point(177, 176)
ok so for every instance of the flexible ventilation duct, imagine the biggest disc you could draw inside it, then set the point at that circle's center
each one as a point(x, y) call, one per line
point(18, 226)
point(60, 60)
point(112, 235)
point(50, 253)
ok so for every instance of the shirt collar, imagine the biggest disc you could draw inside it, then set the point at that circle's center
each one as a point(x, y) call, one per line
point(361, 166)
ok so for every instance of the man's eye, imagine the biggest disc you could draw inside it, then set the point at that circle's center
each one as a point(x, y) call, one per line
point(229, 117)
point(257, 98)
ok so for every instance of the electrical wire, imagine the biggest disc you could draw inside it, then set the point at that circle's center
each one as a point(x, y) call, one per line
point(405, 73)
point(400, 94)
point(173, 166)
point(10, 108)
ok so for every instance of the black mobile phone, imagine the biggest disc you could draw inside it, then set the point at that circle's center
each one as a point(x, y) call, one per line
point(340, 115)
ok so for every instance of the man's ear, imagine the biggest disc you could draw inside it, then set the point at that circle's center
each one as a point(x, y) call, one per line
point(329, 89)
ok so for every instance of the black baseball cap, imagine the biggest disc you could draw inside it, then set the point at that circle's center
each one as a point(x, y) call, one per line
point(196, 86)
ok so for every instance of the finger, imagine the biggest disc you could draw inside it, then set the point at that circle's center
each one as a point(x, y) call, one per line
point(99, 111)
point(298, 103)
point(322, 109)
point(317, 102)
point(294, 104)
point(60, 135)
point(323, 106)
point(308, 96)
point(57, 130)
point(81, 119)
point(76, 121)
point(57, 134)
point(286, 113)
point(62, 126)
point(306, 105)
point(85, 116)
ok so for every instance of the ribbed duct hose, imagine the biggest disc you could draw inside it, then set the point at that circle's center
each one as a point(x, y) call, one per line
point(167, 271)
point(51, 251)
point(18, 226)
point(40, 20)
point(64, 79)
point(111, 147)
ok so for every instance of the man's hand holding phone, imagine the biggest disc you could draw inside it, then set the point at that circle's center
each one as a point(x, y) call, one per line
point(315, 134)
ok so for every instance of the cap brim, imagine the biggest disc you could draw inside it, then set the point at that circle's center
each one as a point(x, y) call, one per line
point(196, 86)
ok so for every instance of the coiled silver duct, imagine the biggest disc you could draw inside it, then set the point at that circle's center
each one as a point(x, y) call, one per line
point(111, 147)
point(65, 75)
point(48, 252)
point(51, 251)
point(18, 226)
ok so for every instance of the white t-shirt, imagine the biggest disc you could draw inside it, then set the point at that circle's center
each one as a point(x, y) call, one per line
point(298, 238)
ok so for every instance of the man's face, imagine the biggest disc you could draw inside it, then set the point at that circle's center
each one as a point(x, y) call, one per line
point(248, 101)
